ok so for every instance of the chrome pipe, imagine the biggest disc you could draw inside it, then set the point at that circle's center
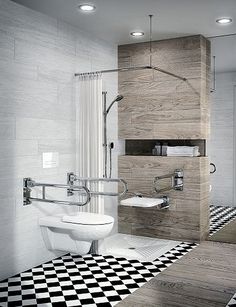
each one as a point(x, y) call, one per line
point(71, 177)
point(44, 192)
point(163, 177)
point(132, 69)
point(105, 132)
point(33, 184)
point(168, 73)
point(54, 201)
point(177, 182)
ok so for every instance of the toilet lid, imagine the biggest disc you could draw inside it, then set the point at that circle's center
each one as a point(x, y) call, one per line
point(85, 218)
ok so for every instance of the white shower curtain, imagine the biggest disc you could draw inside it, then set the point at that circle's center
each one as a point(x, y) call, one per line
point(89, 134)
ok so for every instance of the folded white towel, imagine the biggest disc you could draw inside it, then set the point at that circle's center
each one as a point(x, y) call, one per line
point(183, 151)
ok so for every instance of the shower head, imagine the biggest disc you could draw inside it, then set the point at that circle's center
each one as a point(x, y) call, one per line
point(118, 98)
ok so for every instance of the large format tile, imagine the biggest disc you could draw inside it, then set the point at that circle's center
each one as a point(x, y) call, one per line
point(204, 277)
point(24, 23)
point(6, 45)
point(7, 127)
point(32, 128)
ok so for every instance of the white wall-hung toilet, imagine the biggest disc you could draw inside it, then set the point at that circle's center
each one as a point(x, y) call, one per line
point(75, 233)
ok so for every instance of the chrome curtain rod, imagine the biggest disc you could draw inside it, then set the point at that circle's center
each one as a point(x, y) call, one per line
point(130, 69)
point(150, 66)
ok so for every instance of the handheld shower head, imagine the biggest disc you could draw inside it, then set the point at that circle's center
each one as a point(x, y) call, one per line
point(118, 98)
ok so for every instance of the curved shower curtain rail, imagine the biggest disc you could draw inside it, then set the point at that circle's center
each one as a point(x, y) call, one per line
point(130, 69)
point(28, 183)
point(150, 66)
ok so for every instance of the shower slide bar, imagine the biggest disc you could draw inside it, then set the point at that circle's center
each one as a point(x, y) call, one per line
point(72, 178)
point(28, 184)
point(177, 181)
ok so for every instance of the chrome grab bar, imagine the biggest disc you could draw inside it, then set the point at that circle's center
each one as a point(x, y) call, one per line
point(71, 178)
point(214, 168)
point(177, 182)
point(28, 184)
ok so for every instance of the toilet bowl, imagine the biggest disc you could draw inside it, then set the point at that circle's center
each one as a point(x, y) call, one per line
point(75, 233)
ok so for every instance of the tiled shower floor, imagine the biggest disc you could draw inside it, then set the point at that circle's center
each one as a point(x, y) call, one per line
point(91, 280)
point(220, 216)
point(136, 247)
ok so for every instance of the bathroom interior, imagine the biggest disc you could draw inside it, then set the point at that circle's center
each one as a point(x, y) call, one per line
point(118, 152)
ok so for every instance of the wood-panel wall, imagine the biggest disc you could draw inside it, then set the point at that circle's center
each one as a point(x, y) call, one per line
point(159, 106)
point(188, 215)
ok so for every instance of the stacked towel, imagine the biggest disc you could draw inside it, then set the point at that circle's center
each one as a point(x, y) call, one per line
point(183, 151)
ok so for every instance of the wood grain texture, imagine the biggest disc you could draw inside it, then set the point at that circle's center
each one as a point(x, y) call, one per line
point(158, 106)
point(205, 277)
point(188, 216)
point(226, 234)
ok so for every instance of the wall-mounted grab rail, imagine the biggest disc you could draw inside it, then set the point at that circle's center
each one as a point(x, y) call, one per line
point(72, 178)
point(28, 184)
point(177, 182)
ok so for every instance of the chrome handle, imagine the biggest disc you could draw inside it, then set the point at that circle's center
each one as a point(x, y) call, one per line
point(71, 178)
point(214, 168)
point(176, 181)
point(28, 184)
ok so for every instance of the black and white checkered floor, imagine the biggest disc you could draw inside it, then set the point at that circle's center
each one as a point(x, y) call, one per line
point(232, 302)
point(220, 216)
point(91, 280)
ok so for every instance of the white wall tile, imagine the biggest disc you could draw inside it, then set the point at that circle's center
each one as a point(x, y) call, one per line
point(7, 127)
point(6, 45)
point(22, 90)
point(38, 58)
point(61, 146)
point(32, 128)
point(221, 144)
point(24, 23)
point(33, 53)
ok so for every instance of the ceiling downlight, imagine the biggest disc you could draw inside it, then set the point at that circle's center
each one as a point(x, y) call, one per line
point(137, 33)
point(86, 7)
point(224, 20)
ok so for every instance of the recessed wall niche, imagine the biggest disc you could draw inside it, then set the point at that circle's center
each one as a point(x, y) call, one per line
point(144, 147)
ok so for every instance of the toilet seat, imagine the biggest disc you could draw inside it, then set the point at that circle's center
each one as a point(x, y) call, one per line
point(85, 218)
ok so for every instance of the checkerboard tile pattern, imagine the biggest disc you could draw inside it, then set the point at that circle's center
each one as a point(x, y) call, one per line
point(232, 302)
point(220, 216)
point(91, 280)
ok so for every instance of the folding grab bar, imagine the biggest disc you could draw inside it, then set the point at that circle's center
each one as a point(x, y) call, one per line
point(71, 178)
point(177, 182)
point(28, 183)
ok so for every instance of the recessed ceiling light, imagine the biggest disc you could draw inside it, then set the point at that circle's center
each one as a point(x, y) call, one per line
point(87, 7)
point(137, 34)
point(224, 20)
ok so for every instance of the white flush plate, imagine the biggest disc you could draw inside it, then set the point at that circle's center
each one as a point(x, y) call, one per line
point(50, 159)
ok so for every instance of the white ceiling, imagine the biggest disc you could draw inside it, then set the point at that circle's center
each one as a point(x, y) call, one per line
point(115, 19)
